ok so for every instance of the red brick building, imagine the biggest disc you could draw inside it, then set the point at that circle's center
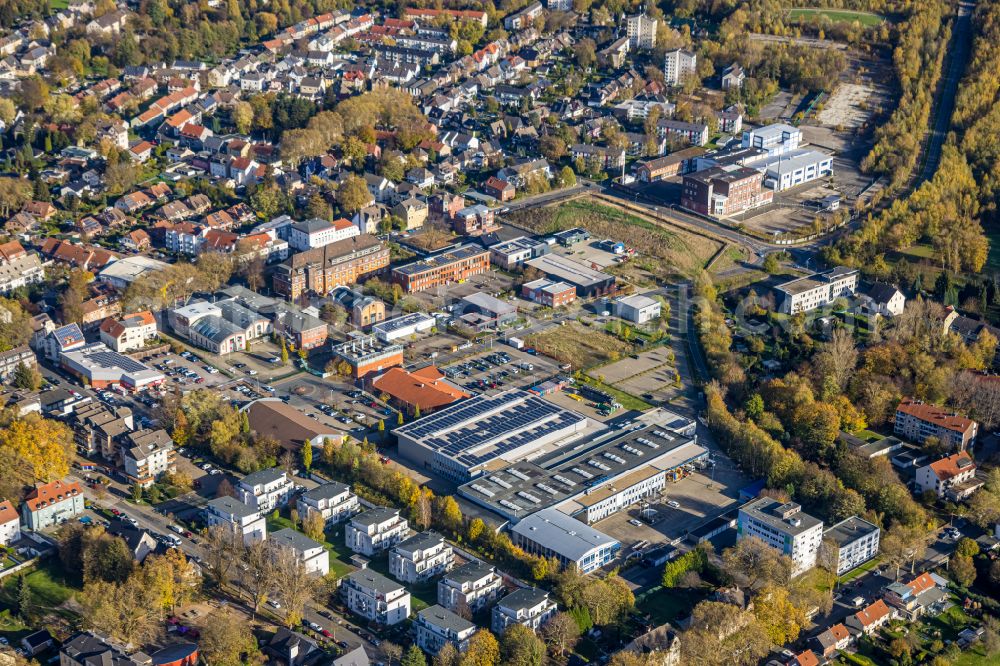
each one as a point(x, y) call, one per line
point(322, 269)
point(449, 267)
point(725, 191)
point(365, 354)
point(548, 293)
point(499, 189)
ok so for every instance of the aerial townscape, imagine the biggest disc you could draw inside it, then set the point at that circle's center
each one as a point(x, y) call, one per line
point(517, 333)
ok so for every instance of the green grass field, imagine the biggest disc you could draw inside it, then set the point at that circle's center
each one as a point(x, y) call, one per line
point(837, 15)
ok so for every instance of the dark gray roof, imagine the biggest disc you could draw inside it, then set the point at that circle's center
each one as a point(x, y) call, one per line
point(849, 530)
point(525, 597)
point(262, 477)
point(231, 506)
point(373, 580)
point(881, 292)
point(469, 572)
point(356, 657)
point(295, 540)
point(328, 490)
point(444, 618)
point(379, 514)
point(420, 541)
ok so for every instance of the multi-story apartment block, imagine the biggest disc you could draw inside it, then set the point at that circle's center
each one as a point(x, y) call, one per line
point(244, 521)
point(677, 65)
point(437, 626)
point(323, 269)
point(725, 191)
point(130, 332)
point(375, 597)
point(333, 501)
point(447, 268)
point(953, 477)
point(375, 530)
point(855, 540)
point(18, 268)
point(420, 557)
point(265, 490)
point(52, 503)
point(529, 606)
point(917, 420)
point(313, 555)
point(315, 233)
point(814, 291)
point(146, 455)
point(784, 527)
point(472, 585)
point(11, 359)
point(641, 31)
point(10, 523)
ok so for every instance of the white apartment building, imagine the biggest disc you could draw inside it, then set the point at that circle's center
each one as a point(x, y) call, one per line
point(953, 477)
point(151, 454)
point(375, 530)
point(641, 31)
point(265, 490)
point(783, 527)
point(678, 64)
point(437, 626)
point(130, 332)
point(474, 585)
point(529, 606)
point(334, 501)
point(312, 554)
point(776, 139)
point(245, 521)
point(10, 523)
point(317, 233)
point(818, 290)
point(856, 541)
point(375, 597)
point(420, 557)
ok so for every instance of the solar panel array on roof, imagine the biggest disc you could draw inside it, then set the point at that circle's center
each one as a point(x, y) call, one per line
point(115, 360)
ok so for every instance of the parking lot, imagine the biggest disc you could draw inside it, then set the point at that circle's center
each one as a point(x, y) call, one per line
point(503, 368)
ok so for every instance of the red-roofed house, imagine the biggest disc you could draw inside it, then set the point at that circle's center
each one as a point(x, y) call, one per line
point(425, 388)
point(10, 523)
point(142, 151)
point(868, 620)
point(953, 477)
point(130, 332)
point(835, 638)
point(136, 241)
point(917, 420)
point(499, 189)
point(807, 658)
point(51, 504)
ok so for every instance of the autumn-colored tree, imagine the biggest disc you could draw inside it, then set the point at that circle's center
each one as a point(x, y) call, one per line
point(483, 650)
point(46, 445)
point(228, 640)
point(313, 526)
point(519, 646)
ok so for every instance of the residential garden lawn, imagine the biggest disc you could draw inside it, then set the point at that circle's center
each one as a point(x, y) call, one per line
point(975, 656)
point(837, 15)
point(49, 587)
point(666, 605)
point(339, 553)
point(857, 571)
point(949, 623)
point(422, 595)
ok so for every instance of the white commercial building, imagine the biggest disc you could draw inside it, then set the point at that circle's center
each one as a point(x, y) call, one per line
point(796, 167)
point(785, 528)
point(855, 540)
point(677, 65)
point(403, 326)
point(129, 333)
point(529, 606)
point(265, 490)
point(637, 309)
point(333, 501)
point(375, 530)
point(437, 626)
point(472, 585)
point(313, 555)
point(243, 520)
point(815, 291)
point(420, 557)
point(776, 139)
point(317, 233)
point(552, 533)
point(375, 597)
